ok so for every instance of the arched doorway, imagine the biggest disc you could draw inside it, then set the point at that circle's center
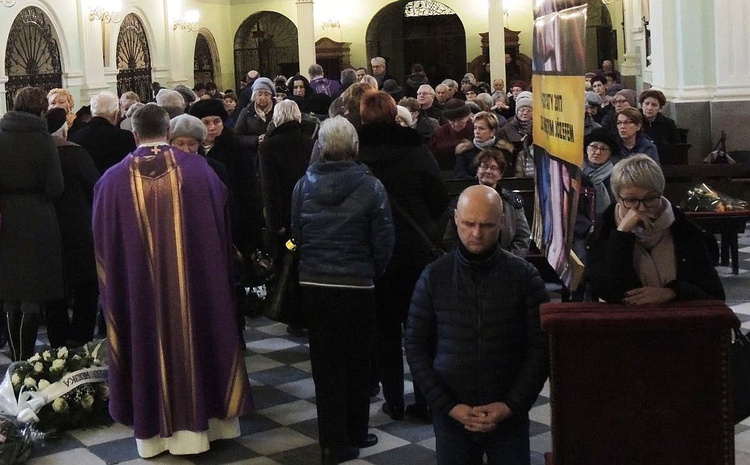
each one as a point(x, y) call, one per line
point(32, 55)
point(267, 42)
point(419, 31)
point(203, 63)
point(133, 59)
point(601, 39)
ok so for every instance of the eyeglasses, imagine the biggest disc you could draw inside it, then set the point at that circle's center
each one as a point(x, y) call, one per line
point(492, 168)
point(598, 148)
point(619, 101)
point(625, 123)
point(648, 202)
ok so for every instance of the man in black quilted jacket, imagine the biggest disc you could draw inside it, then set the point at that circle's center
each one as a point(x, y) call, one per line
point(474, 342)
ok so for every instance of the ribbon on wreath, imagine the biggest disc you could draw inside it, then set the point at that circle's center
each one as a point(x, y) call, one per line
point(29, 403)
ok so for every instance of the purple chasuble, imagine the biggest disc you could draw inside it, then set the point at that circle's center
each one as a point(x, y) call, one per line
point(163, 259)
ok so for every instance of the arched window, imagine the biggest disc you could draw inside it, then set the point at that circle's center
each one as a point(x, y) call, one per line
point(133, 59)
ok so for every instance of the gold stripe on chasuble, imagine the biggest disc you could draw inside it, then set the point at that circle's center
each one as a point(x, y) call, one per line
point(186, 323)
point(235, 388)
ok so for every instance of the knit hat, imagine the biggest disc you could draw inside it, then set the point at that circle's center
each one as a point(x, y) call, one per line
point(524, 101)
point(592, 99)
point(391, 87)
point(605, 137)
point(629, 95)
point(55, 119)
point(455, 109)
point(186, 92)
point(187, 126)
point(613, 89)
point(469, 77)
point(473, 108)
point(263, 83)
point(520, 84)
point(209, 107)
point(404, 114)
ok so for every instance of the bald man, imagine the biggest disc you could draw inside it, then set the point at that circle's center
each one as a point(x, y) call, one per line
point(474, 342)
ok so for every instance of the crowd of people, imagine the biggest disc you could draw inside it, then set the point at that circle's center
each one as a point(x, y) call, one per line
point(163, 202)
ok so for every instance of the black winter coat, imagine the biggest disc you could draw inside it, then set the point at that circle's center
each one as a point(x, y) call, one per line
point(662, 130)
point(31, 267)
point(107, 144)
point(73, 209)
point(398, 157)
point(473, 335)
point(610, 261)
point(284, 156)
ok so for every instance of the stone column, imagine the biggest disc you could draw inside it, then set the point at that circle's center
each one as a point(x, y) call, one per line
point(695, 50)
point(92, 55)
point(306, 34)
point(497, 40)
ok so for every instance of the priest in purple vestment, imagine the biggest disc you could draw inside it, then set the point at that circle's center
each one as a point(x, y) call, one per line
point(176, 373)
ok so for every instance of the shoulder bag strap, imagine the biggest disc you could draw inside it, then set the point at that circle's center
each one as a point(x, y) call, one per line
point(433, 248)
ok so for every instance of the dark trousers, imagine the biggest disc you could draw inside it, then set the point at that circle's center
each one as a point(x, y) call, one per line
point(393, 299)
point(341, 335)
point(61, 329)
point(508, 444)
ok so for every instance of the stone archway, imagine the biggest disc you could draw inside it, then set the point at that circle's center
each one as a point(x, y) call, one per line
point(267, 42)
point(32, 54)
point(423, 31)
point(203, 61)
point(133, 59)
point(601, 39)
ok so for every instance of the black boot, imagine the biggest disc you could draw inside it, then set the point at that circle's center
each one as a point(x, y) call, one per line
point(28, 332)
point(13, 323)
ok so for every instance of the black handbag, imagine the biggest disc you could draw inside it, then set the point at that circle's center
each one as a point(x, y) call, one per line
point(740, 354)
point(283, 301)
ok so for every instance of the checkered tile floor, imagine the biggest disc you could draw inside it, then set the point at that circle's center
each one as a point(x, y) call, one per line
point(283, 430)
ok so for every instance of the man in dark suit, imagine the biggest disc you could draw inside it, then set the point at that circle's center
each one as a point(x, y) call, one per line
point(107, 143)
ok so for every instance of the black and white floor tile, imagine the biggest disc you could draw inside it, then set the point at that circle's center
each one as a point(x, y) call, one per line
point(283, 429)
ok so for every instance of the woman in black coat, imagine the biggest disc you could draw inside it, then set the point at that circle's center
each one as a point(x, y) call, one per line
point(30, 245)
point(284, 156)
point(410, 174)
point(73, 209)
point(645, 251)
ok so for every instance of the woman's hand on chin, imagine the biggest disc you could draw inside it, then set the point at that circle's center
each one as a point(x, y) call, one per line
point(648, 295)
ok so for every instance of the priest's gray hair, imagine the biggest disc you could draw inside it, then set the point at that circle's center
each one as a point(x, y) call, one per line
point(337, 139)
point(150, 122)
point(105, 104)
point(285, 111)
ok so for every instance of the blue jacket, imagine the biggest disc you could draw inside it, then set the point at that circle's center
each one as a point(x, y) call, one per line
point(473, 334)
point(342, 223)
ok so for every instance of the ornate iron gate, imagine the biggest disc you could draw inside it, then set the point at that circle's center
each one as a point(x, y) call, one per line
point(133, 59)
point(267, 42)
point(203, 63)
point(32, 57)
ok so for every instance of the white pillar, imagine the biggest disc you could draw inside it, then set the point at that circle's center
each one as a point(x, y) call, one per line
point(497, 40)
point(731, 19)
point(306, 34)
point(92, 50)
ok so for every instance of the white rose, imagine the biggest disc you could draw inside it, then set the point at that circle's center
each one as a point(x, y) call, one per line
point(15, 379)
point(62, 352)
point(35, 358)
point(47, 355)
point(29, 382)
point(58, 365)
point(59, 405)
point(43, 384)
point(76, 357)
point(38, 367)
point(87, 401)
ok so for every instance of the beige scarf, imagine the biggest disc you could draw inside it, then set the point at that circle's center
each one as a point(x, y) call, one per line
point(653, 254)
